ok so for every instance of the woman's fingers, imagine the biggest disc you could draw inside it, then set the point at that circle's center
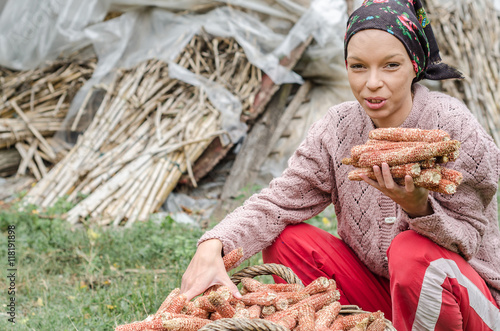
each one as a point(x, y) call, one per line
point(409, 185)
point(384, 176)
point(205, 269)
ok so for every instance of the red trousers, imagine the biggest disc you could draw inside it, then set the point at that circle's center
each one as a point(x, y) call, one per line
point(430, 287)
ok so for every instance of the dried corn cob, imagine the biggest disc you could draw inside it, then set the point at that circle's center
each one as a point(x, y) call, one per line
point(176, 305)
point(285, 287)
point(191, 309)
point(241, 313)
point(318, 301)
point(293, 312)
point(259, 298)
point(292, 297)
point(349, 321)
point(333, 285)
point(253, 285)
point(357, 150)
point(448, 157)
point(203, 303)
point(221, 304)
point(239, 305)
point(215, 316)
point(445, 187)
point(211, 289)
point(254, 311)
point(429, 163)
point(148, 324)
point(281, 304)
point(350, 161)
point(305, 318)
point(408, 134)
point(397, 171)
point(442, 159)
point(452, 175)
point(232, 258)
point(318, 285)
point(268, 310)
point(376, 142)
point(428, 177)
point(168, 316)
point(287, 321)
point(453, 156)
point(378, 324)
point(175, 292)
point(408, 155)
point(325, 316)
point(361, 325)
point(185, 324)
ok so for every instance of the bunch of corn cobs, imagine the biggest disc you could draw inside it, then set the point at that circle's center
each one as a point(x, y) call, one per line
point(314, 307)
point(408, 151)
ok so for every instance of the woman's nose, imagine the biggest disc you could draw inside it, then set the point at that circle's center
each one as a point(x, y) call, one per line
point(374, 80)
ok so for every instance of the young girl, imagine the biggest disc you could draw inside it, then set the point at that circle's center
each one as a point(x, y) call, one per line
point(429, 261)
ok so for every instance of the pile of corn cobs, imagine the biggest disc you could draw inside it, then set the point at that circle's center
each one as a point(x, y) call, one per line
point(314, 307)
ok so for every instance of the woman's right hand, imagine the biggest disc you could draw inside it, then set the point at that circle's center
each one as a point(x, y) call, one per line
point(206, 269)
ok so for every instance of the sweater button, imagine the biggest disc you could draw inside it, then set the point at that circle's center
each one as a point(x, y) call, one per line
point(390, 220)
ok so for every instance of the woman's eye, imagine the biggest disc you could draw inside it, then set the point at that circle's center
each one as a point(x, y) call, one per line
point(393, 65)
point(356, 66)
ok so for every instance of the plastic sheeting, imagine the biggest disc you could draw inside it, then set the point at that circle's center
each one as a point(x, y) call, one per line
point(35, 31)
point(142, 34)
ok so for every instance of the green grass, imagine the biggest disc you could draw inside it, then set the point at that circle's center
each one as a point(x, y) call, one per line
point(91, 278)
point(94, 278)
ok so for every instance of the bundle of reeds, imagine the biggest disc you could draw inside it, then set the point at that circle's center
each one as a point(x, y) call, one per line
point(147, 132)
point(33, 106)
point(468, 33)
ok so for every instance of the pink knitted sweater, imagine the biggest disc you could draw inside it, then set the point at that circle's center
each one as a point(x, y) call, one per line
point(465, 222)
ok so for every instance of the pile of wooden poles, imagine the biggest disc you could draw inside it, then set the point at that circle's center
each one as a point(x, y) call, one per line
point(147, 132)
point(468, 34)
point(33, 106)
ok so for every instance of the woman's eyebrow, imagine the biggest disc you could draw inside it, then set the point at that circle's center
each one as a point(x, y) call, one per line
point(390, 56)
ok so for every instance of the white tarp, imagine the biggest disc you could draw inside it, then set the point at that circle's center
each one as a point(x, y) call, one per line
point(35, 31)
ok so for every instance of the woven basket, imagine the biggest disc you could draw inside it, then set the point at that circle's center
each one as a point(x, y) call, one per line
point(245, 324)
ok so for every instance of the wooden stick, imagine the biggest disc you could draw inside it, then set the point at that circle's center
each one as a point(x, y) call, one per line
point(35, 132)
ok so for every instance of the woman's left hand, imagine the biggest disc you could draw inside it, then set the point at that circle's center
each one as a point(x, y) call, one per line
point(413, 199)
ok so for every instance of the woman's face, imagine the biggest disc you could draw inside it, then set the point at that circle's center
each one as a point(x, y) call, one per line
point(380, 74)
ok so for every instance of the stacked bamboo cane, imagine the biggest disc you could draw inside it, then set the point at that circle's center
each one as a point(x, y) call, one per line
point(33, 106)
point(468, 33)
point(147, 132)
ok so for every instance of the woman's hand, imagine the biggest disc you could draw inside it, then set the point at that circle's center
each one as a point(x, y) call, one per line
point(206, 269)
point(413, 199)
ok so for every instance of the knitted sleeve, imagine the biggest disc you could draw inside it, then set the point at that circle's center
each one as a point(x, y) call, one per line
point(303, 191)
point(460, 220)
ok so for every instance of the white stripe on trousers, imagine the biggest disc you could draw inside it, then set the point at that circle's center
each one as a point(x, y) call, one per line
point(429, 303)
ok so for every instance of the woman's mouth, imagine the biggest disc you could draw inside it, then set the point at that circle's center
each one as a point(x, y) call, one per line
point(375, 103)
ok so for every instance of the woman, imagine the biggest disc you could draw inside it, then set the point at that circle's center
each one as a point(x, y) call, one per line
point(428, 261)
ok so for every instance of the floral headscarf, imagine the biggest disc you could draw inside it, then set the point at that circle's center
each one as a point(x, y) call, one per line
point(407, 21)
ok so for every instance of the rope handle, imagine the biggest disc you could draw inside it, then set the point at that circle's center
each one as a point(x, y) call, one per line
point(267, 269)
